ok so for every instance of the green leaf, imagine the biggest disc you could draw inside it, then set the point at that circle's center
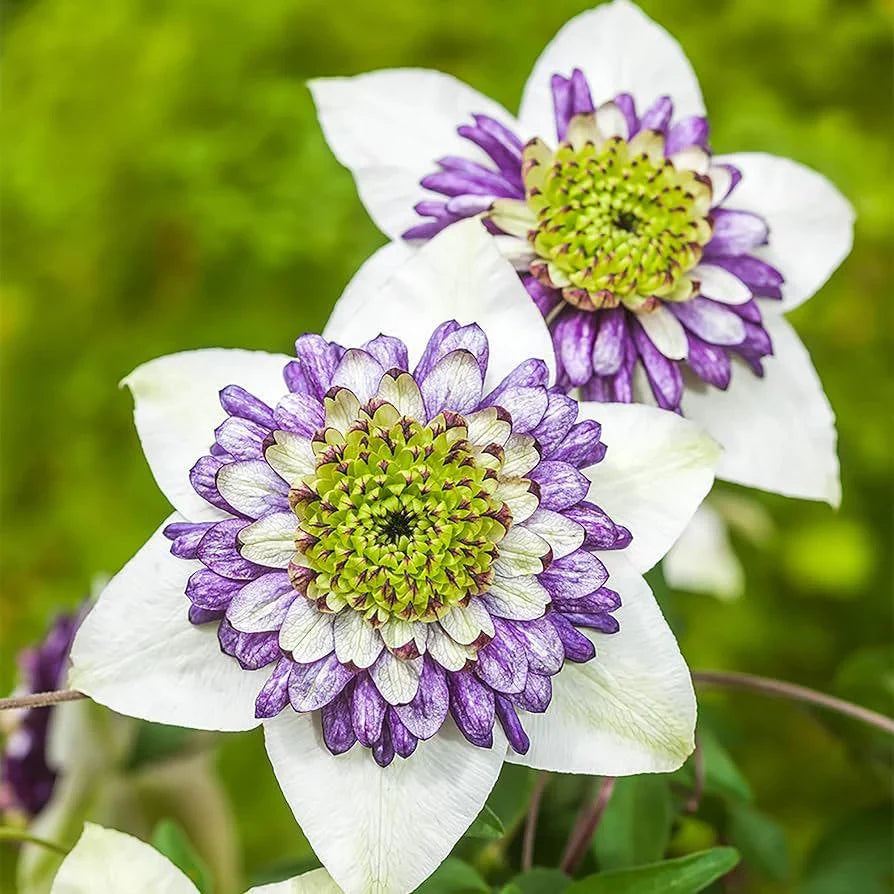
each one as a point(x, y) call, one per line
point(169, 839)
point(760, 840)
point(685, 875)
point(486, 825)
point(453, 876)
point(154, 742)
point(722, 777)
point(538, 881)
point(635, 827)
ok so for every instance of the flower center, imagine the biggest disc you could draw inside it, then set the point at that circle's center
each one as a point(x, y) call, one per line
point(398, 518)
point(616, 221)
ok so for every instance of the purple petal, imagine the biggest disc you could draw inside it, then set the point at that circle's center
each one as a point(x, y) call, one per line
point(692, 131)
point(502, 663)
point(251, 650)
point(203, 478)
point(360, 372)
point(313, 685)
point(274, 694)
point(238, 402)
point(515, 733)
point(713, 322)
point(574, 575)
point(312, 372)
point(577, 647)
point(601, 600)
point(526, 406)
point(389, 351)
point(608, 347)
point(764, 280)
point(200, 616)
point(573, 336)
point(338, 728)
point(402, 739)
point(529, 374)
point(218, 551)
point(240, 438)
point(664, 375)
point(424, 715)
point(658, 115)
point(544, 297)
point(735, 233)
point(383, 749)
point(301, 414)
point(186, 537)
point(456, 183)
point(542, 646)
point(210, 591)
point(368, 711)
point(709, 362)
point(582, 446)
point(625, 102)
point(472, 707)
point(600, 621)
point(571, 96)
point(553, 428)
point(537, 694)
point(454, 383)
point(600, 531)
point(561, 484)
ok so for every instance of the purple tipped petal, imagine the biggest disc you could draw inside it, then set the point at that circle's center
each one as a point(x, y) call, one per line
point(200, 616)
point(552, 430)
point(389, 351)
point(472, 707)
point(544, 297)
point(601, 600)
point(218, 551)
point(526, 406)
point(561, 484)
point(658, 115)
point(600, 621)
point(301, 414)
point(454, 383)
point(238, 402)
point(338, 728)
point(313, 685)
point(571, 96)
point(709, 362)
point(542, 646)
point(692, 131)
point(574, 575)
point(574, 335)
point(582, 446)
point(368, 711)
point(274, 694)
point(203, 478)
point(763, 280)
point(210, 591)
point(240, 438)
point(251, 650)
point(186, 537)
point(625, 102)
point(735, 233)
point(312, 372)
point(402, 739)
point(435, 349)
point(713, 322)
point(515, 733)
point(530, 374)
point(424, 715)
point(383, 750)
point(537, 694)
point(501, 664)
point(577, 647)
point(360, 372)
point(664, 375)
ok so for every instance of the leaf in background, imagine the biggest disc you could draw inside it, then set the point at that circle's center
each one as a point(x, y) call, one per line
point(154, 742)
point(454, 876)
point(635, 827)
point(510, 796)
point(685, 875)
point(760, 840)
point(538, 881)
point(486, 825)
point(169, 839)
point(722, 777)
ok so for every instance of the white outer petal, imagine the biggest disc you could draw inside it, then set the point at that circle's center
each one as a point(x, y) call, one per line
point(390, 127)
point(137, 653)
point(629, 710)
point(778, 432)
point(176, 409)
point(665, 331)
point(317, 881)
point(620, 49)
point(703, 561)
point(811, 222)
point(380, 831)
point(107, 860)
point(657, 468)
point(459, 275)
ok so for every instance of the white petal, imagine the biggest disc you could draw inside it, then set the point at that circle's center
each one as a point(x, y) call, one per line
point(270, 541)
point(521, 553)
point(403, 394)
point(261, 605)
point(380, 830)
point(459, 275)
point(291, 456)
point(106, 860)
point(396, 679)
point(485, 427)
point(317, 881)
point(657, 468)
point(137, 653)
point(694, 158)
point(703, 561)
point(778, 432)
point(356, 640)
point(721, 285)
point(521, 455)
point(465, 623)
point(620, 50)
point(517, 598)
point(176, 409)
point(446, 651)
point(665, 331)
point(306, 632)
point(629, 710)
point(811, 222)
point(721, 183)
point(390, 127)
point(611, 121)
point(562, 534)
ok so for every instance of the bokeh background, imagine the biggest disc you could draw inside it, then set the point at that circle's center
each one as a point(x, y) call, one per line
point(165, 186)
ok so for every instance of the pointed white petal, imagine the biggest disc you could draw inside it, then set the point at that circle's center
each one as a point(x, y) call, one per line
point(446, 651)
point(356, 640)
point(380, 830)
point(317, 881)
point(459, 275)
point(390, 127)
point(665, 331)
point(396, 679)
point(403, 394)
point(465, 623)
point(106, 860)
point(721, 285)
point(811, 222)
point(137, 653)
point(521, 455)
point(261, 605)
point(306, 632)
point(270, 541)
point(291, 456)
point(778, 432)
point(176, 409)
point(485, 427)
point(629, 710)
point(521, 553)
point(517, 598)
point(562, 534)
point(657, 468)
point(702, 560)
point(619, 49)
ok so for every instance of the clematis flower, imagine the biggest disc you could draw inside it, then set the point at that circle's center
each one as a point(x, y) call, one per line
point(409, 557)
point(107, 860)
point(662, 269)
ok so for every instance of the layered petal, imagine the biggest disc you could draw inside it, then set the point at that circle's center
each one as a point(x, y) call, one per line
point(137, 653)
point(631, 709)
point(657, 468)
point(177, 407)
point(390, 127)
point(811, 223)
point(380, 829)
point(778, 431)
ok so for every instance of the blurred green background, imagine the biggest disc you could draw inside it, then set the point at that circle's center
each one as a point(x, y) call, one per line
point(166, 187)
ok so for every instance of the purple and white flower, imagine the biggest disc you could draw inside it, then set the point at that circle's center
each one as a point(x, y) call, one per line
point(111, 861)
point(662, 269)
point(408, 555)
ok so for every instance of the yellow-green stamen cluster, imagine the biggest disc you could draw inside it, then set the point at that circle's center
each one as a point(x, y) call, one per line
point(615, 221)
point(399, 519)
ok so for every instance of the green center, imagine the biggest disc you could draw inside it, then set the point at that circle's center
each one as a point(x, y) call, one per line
point(401, 517)
point(616, 222)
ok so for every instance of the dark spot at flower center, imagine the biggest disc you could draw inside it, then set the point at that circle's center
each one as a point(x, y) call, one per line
point(626, 221)
point(397, 525)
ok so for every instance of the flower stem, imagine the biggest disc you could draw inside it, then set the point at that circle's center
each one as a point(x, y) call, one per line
point(584, 829)
point(781, 689)
point(40, 699)
point(530, 835)
point(698, 764)
point(20, 836)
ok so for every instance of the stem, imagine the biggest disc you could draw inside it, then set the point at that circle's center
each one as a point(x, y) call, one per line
point(531, 822)
point(40, 699)
point(698, 765)
point(22, 837)
point(583, 831)
point(781, 689)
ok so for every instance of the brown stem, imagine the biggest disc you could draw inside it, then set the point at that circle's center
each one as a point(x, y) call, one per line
point(20, 836)
point(40, 699)
point(531, 822)
point(781, 689)
point(584, 829)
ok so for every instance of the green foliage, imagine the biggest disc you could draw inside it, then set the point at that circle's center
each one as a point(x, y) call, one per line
point(486, 825)
point(170, 839)
point(538, 881)
point(760, 840)
point(685, 875)
point(453, 877)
